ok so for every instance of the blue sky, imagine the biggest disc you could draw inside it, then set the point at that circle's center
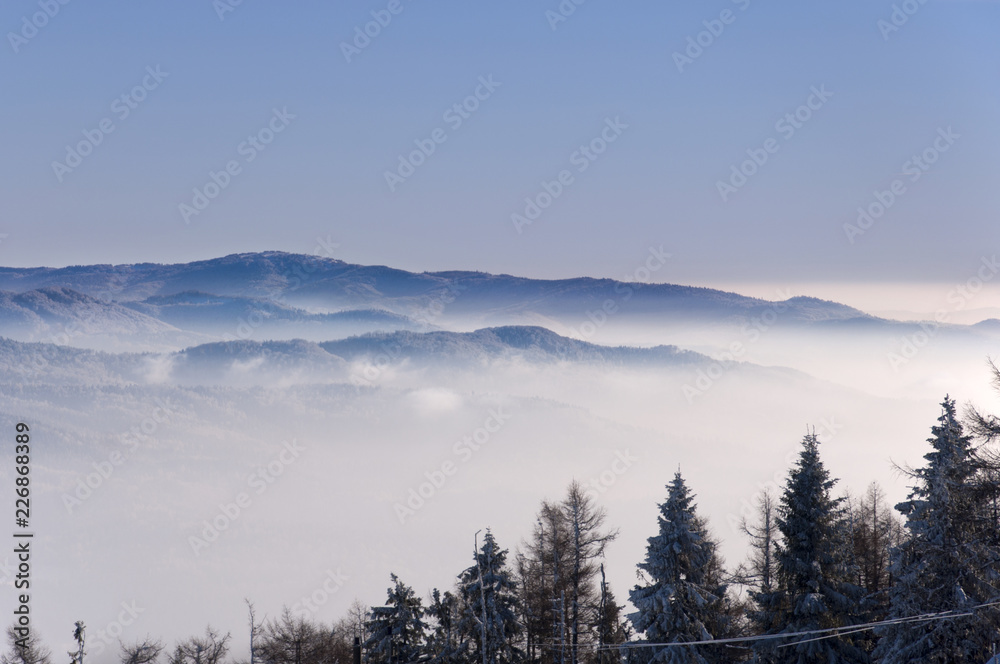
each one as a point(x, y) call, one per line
point(323, 176)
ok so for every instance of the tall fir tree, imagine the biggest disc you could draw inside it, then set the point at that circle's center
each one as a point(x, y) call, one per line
point(396, 631)
point(490, 599)
point(446, 643)
point(684, 598)
point(813, 589)
point(947, 563)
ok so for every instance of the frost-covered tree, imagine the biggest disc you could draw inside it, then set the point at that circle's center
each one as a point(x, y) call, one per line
point(813, 589)
point(347, 628)
point(80, 636)
point(292, 639)
point(24, 647)
point(354, 622)
point(985, 425)
point(490, 598)
point(445, 644)
point(140, 652)
point(208, 649)
point(946, 563)
point(683, 598)
point(396, 631)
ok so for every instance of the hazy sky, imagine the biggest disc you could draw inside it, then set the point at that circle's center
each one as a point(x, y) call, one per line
point(214, 78)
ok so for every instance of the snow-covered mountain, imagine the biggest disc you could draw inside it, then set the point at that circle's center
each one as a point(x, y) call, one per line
point(471, 316)
point(293, 280)
point(61, 315)
point(299, 361)
point(240, 317)
point(44, 310)
point(529, 343)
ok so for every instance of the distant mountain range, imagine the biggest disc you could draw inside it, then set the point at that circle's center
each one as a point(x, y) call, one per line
point(535, 344)
point(336, 298)
point(36, 310)
point(305, 361)
point(334, 284)
point(276, 295)
point(205, 312)
point(59, 314)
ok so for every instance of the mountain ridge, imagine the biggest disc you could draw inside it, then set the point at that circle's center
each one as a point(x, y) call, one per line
point(34, 361)
point(315, 282)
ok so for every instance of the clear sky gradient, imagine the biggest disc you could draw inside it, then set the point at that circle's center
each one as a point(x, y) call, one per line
point(323, 176)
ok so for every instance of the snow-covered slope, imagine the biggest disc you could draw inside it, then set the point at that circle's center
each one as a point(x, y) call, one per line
point(308, 281)
point(61, 315)
point(230, 316)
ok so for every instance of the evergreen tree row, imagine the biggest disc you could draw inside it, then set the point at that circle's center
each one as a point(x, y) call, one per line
point(830, 578)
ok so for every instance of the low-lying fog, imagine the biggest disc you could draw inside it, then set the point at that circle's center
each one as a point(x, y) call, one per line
point(323, 456)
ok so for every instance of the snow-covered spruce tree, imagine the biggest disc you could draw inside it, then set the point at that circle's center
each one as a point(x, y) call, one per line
point(490, 600)
point(684, 597)
point(813, 588)
point(80, 636)
point(445, 644)
point(396, 631)
point(946, 563)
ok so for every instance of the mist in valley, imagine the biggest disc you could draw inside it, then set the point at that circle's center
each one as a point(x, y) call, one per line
point(186, 480)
